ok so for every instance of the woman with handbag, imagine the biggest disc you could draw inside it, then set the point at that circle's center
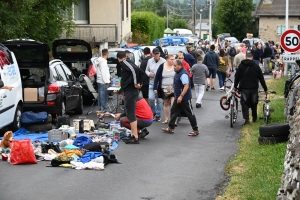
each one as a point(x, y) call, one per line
point(222, 69)
point(163, 85)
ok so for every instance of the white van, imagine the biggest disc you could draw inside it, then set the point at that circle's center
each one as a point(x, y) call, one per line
point(11, 102)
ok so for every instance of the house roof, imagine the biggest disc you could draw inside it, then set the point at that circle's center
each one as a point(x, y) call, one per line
point(277, 8)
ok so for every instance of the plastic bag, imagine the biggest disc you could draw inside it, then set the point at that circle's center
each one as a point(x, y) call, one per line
point(22, 152)
point(92, 71)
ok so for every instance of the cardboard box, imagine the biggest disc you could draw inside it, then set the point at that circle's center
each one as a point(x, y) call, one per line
point(41, 98)
point(30, 94)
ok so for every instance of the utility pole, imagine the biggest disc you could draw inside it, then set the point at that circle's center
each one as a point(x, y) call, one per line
point(210, 20)
point(200, 36)
point(286, 28)
point(193, 16)
point(167, 16)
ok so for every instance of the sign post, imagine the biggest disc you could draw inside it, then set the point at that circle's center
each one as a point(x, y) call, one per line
point(290, 42)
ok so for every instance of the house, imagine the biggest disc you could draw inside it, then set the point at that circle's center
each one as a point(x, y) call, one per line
point(99, 21)
point(271, 18)
point(204, 30)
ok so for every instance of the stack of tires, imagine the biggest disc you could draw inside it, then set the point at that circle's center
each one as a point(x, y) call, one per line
point(273, 133)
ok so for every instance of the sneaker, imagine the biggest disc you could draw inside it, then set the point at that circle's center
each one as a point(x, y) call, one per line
point(197, 105)
point(246, 122)
point(254, 118)
point(213, 89)
point(143, 133)
point(126, 138)
point(132, 140)
point(207, 87)
point(200, 105)
point(157, 118)
point(222, 88)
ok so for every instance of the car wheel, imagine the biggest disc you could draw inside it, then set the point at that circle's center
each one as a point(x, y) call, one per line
point(274, 130)
point(272, 140)
point(16, 124)
point(40, 127)
point(79, 109)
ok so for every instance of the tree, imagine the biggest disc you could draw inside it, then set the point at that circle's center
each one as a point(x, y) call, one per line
point(233, 16)
point(42, 20)
point(179, 23)
point(155, 6)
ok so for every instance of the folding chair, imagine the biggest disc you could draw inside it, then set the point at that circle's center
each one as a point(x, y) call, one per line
point(95, 95)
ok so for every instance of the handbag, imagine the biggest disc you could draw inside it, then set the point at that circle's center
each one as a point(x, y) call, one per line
point(22, 152)
point(168, 91)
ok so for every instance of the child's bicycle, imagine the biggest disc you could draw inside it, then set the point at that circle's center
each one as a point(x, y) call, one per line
point(266, 110)
point(230, 101)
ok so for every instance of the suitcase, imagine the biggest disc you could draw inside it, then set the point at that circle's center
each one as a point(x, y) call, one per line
point(63, 120)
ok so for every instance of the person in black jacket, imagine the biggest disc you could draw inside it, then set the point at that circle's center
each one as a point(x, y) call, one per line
point(131, 81)
point(145, 86)
point(267, 57)
point(247, 76)
point(256, 54)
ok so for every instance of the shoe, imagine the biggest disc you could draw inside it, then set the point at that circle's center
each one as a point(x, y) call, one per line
point(132, 140)
point(126, 138)
point(246, 122)
point(222, 88)
point(207, 87)
point(200, 105)
point(254, 119)
point(197, 105)
point(157, 118)
point(143, 133)
point(213, 89)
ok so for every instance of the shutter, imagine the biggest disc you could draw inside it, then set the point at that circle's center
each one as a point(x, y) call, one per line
point(282, 29)
point(278, 29)
point(296, 27)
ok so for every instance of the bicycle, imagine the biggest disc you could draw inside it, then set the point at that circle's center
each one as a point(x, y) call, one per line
point(230, 101)
point(266, 108)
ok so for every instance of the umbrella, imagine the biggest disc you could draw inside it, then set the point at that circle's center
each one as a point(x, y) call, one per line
point(171, 40)
point(169, 31)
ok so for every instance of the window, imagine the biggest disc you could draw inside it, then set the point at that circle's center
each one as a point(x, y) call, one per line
point(282, 17)
point(127, 7)
point(280, 29)
point(122, 10)
point(68, 72)
point(60, 73)
point(81, 12)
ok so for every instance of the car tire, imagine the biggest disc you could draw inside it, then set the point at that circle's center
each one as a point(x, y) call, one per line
point(79, 109)
point(272, 140)
point(274, 130)
point(16, 124)
point(50, 119)
point(39, 127)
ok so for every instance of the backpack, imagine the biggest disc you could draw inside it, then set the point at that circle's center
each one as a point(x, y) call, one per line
point(232, 51)
point(222, 62)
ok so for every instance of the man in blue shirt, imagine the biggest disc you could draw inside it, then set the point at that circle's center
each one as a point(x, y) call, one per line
point(182, 102)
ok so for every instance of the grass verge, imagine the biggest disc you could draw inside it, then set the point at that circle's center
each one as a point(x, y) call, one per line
point(255, 171)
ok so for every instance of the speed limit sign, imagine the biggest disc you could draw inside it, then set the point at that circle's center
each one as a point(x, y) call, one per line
point(290, 40)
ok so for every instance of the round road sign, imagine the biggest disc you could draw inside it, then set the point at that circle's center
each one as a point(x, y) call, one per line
point(290, 40)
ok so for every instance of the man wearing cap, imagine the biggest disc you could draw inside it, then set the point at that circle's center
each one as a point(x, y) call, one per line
point(152, 66)
point(247, 76)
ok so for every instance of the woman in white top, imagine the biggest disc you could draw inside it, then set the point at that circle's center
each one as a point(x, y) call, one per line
point(163, 84)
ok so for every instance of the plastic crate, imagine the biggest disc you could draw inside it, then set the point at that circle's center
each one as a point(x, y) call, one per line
point(57, 135)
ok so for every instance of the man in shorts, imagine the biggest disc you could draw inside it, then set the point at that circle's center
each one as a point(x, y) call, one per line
point(212, 61)
point(131, 81)
point(143, 113)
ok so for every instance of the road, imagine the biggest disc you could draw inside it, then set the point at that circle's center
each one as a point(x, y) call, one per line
point(162, 167)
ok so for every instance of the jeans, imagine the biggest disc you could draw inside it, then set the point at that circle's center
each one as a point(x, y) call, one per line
point(199, 90)
point(267, 64)
point(156, 110)
point(102, 96)
point(222, 77)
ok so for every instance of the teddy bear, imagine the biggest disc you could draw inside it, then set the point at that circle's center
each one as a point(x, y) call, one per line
point(6, 140)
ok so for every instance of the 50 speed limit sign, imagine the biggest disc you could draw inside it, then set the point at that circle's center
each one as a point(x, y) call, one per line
point(290, 40)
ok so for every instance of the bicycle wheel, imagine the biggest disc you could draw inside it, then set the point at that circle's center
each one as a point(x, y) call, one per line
point(231, 115)
point(225, 105)
point(266, 114)
point(236, 109)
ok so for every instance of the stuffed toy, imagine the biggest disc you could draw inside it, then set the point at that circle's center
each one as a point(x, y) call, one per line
point(6, 140)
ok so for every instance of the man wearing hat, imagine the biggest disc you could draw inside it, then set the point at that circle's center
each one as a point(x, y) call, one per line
point(152, 66)
point(247, 76)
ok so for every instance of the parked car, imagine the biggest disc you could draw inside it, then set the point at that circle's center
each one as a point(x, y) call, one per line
point(11, 102)
point(174, 49)
point(47, 86)
point(136, 55)
point(252, 41)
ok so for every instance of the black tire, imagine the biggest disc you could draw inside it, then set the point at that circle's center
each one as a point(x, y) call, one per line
point(40, 127)
point(231, 115)
point(222, 101)
point(272, 140)
point(79, 109)
point(16, 124)
point(274, 130)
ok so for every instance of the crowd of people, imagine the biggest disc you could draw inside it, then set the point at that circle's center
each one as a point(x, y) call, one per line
point(166, 82)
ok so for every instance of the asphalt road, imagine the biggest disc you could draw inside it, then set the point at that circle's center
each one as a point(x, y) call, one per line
point(162, 167)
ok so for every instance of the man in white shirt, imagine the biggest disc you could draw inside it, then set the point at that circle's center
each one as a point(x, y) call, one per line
point(103, 80)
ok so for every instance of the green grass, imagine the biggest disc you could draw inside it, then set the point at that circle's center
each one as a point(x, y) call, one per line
point(255, 171)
